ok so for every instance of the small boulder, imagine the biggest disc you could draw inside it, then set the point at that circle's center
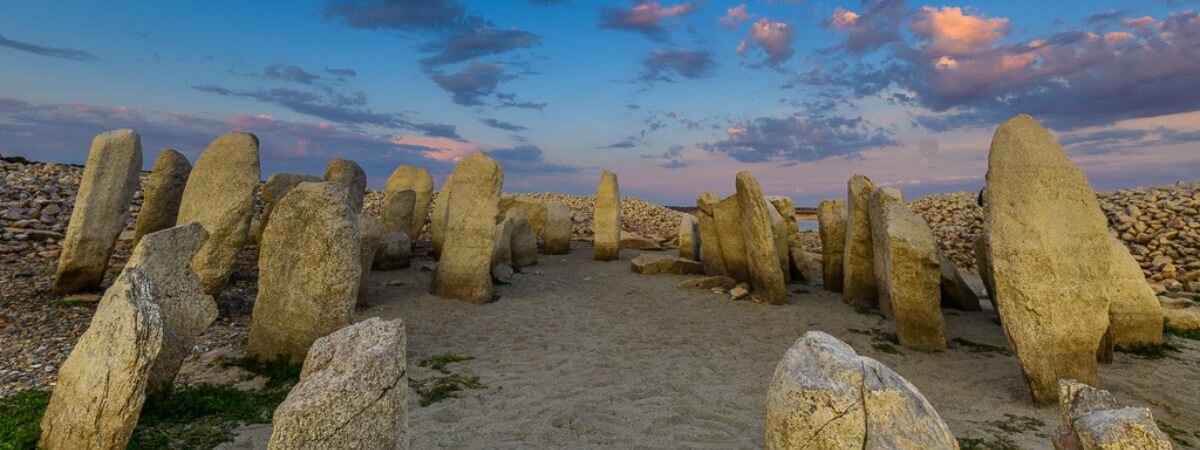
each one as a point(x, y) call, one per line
point(1092, 419)
point(956, 293)
point(394, 251)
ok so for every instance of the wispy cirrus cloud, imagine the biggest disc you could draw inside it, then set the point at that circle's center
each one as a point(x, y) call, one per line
point(502, 125)
point(54, 52)
point(799, 138)
point(667, 65)
point(645, 17)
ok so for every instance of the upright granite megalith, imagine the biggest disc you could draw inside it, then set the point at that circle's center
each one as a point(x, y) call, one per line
point(397, 210)
point(825, 396)
point(370, 233)
point(277, 186)
point(439, 217)
point(352, 393)
point(908, 264)
point(110, 178)
point(728, 217)
point(352, 175)
point(464, 270)
point(162, 193)
point(710, 241)
point(858, 268)
point(524, 241)
point(606, 219)
point(1051, 257)
point(556, 236)
point(220, 195)
point(689, 237)
point(880, 200)
point(102, 384)
point(766, 275)
point(310, 270)
point(831, 220)
point(420, 182)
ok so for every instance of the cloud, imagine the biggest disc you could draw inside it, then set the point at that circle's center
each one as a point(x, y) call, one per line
point(287, 72)
point(509, 100)
point(501, 125)
point(1104, 16)
point(476, 42)
point(672, 158)
point(878, 24)
point(345, 73)
point(402, 15)
point(952, 33)
point(645, 17)
point(527, 158)
point(773, 37)
point(64, 53)
point(473, 83)
point(734, 17)
point(665, 65)
point(629, 142)
point(1125, 140)
point(799, 138)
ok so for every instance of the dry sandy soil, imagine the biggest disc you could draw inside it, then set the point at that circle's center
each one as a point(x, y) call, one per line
point(578, 353)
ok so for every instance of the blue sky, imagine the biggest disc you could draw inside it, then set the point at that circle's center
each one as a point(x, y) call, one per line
point(674, 96)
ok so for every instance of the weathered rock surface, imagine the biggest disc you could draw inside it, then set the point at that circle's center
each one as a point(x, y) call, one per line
point(439, 217)
point(164, 257)
point(1180, 314)
point(634, 241)
point(1093, 420)
point(353, 392)
point(102, 384)
point(907, 262)
point(728, 218)
point(709, 282)
point(1134, 313)
point(824, 395)
point(779, 236)
point(556, 236)
point(277, 186)
point(710, 242)
point(310, 269)
point(956, 293)
point(420, 182)
point(394, 252)
point(110, 178)
point(534, 210)
point(881, 199)
point(650, 264)
point(162, 193)
point(352, 175)
point(858, 268)
point(220, 195)
point(502, 243)
point(370, 232)
point(464, 270)
point(524, 241)
point(1050, 257)
point(787, 235)
point(607, 219)
point(766, 275)
point(689, 237)
point(397, 211)
point(984, 264)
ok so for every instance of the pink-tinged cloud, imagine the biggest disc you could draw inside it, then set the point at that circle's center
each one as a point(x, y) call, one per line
point(439, 149)
point(873, 27)
point(1141, 23)
point(843, 19)
point(644, 17)
point(775, 39)
point(952, 33)
point(734, 17)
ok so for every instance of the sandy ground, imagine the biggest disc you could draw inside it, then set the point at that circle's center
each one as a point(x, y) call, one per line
point(578, 353)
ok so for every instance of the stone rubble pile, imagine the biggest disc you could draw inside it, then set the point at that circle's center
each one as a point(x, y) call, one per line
point(1092, 419)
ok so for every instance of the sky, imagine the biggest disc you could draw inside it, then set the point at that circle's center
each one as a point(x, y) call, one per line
point(675, 97)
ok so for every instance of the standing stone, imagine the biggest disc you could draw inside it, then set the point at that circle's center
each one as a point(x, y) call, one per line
point(352, 175)
point(710, 242)
point(557, 233)
point(766, 275)
point(858, 268)
point(164, 257)
point(823, 395)
point(524, 242)
point(352, 393)
point(534, 209)
point(1051, 257)
point(689, 237)
point(779, 235)
point(370, 231)
point(220, 195)
point(728, 218)
point(273, 190)
point(1135, 314)
point(110, 178)
point(439, 217)
point(983, 263)
point(464, 270)
point(394, 252)
point(161, 196)
point(310, 268)
point(420, 182)
point(909, 290)
point(831, 218)
point(606, 220)
point(502, 243)
point(881, 199)
point(956, 293)
point(787, 209)
point(102, 385)
point(397, 210)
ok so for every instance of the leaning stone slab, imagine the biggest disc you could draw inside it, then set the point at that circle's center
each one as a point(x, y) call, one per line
point(728, 218)
point(162, 193)
point(1134, 313)
point(647, 264)
point(556, 235)
point(394, 252)
point(906, 258)
point(110, 178)
point(102, 385)
point(1092, 419)
point(310, 269)
point(464, 270)
point(606, 219)
point(220, 195)
point(165, 258)
point(689, 237)
point(277, 186)
point(397, 210)
point(881, 199)
point(779, 235)
point(956, 293)
point(420, 182)
point(825, 396)
point(352, 175)
point(439, 217)
point(983, 263)
point(353, 392)
point(858, 268)
point(370, 232)
point(762, 249)
point(524, 241)
point(502, 243)
point(831, 220)
point(710, 242)
point(1051, 257)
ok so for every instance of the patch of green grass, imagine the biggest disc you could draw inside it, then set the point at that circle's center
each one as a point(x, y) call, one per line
point(882, 341)
point(975, 347)
point(439, 362)
point(1186, 334)
point(436, 389)
point(867, 311)
point(1017, 424)
point(278, 372)
point(886, 348)
point(21, 419)
point(995, 443)
point(1150, 351)
point(1176, 434)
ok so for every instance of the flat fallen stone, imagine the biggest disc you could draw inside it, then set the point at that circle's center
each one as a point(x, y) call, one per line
point(646, 264)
